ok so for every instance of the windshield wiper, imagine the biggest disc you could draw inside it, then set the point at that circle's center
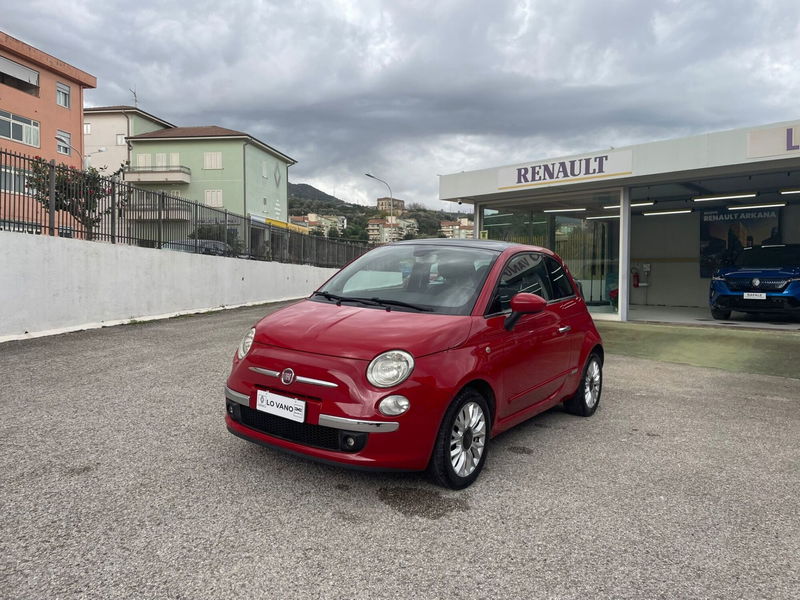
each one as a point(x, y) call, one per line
point(340, 299)
point(401, 303)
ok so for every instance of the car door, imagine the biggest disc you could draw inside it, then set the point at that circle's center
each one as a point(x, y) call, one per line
point(571, 311)
point(534, 354)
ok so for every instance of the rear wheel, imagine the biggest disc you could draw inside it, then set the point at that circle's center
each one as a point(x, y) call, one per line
point(586, 398)
point(720, 314)
point(462, 442)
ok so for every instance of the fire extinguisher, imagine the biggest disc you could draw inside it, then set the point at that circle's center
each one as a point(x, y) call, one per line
point(635, 278)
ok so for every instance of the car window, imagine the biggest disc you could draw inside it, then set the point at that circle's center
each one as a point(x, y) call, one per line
point(444, 280)
point(522, 273)
point(559, 282)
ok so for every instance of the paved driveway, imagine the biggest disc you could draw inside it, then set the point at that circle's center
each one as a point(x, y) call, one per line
point(120, 481)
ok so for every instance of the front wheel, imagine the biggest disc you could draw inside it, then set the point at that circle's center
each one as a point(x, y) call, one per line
point(462, 442)
point(720, 314)
point(586, 398)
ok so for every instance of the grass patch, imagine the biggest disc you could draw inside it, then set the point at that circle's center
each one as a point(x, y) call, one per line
point(767, 352)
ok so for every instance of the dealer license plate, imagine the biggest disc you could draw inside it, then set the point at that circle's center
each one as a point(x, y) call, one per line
point(755, 296)
point(281, 406)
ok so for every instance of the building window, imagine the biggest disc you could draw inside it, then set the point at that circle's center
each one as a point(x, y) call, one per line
point(212, 160)
point(174, 159)
point(12, 180)
point(161, 159)
point(19, 76)
point(62, 95)
point(214, 198)
point(63, 142)
point(87, 129)
point(144, 160)
point(19, 129)
point(120, 139)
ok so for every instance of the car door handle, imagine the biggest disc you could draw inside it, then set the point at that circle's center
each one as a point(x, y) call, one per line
point(565, 329)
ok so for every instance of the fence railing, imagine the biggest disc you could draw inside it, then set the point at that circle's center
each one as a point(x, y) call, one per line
point(46, 198)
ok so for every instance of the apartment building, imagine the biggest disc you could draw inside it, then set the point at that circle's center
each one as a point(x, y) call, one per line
point(390, 229)
point(220, 167)
point(41, 115)
point(106, 129)
point(461, 229)
point(323, 223)
point(392, 206)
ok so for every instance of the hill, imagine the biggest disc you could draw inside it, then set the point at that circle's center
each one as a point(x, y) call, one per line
point(304, 199)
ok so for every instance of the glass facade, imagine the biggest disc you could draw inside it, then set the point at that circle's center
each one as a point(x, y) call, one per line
point(586, 238)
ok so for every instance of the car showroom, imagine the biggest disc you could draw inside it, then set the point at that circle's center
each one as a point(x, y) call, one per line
point(646, 228)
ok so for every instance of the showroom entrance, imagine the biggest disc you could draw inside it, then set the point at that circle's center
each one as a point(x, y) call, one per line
point(644, 228)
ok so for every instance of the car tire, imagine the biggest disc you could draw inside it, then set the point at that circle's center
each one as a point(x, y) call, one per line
point(462, 443)
point(720, 314)
point(586, 399)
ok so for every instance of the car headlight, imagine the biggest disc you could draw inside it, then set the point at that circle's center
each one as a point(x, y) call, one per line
point(244, 345)
point(390, 368)
point(718, 278)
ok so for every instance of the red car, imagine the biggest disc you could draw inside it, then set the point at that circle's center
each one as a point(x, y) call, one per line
point(415, 355)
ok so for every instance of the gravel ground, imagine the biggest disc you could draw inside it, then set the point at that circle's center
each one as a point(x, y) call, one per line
point(120, 481)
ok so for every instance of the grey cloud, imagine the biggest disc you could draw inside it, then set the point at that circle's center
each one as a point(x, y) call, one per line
point(413, 89)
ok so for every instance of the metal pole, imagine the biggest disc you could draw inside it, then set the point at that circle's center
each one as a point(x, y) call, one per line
point(160, 218)
point(624, 252)
point(113, 212)
point(196, 221)
point(391, 199)
point(52, 197)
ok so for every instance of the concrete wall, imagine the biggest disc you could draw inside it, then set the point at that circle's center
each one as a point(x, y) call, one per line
point(52, 285)
point(671, 246)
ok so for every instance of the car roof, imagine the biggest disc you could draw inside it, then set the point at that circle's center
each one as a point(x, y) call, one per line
point(495, 245)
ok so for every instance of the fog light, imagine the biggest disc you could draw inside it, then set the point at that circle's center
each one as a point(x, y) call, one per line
point(391, 406)
point(349, 441)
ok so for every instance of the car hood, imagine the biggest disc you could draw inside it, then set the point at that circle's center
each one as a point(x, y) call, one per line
point(786, 272)
point(359, 332)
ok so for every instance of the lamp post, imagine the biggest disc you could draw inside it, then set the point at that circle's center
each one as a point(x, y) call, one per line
point(84, 158)
point(391, 200)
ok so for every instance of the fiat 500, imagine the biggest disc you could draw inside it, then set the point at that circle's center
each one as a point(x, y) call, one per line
point(415, 355)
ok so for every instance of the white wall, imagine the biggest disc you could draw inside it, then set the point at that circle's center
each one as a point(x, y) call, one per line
point(671, 246)
point(51, 284)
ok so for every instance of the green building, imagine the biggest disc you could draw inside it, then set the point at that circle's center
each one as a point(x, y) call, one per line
point(221, 168)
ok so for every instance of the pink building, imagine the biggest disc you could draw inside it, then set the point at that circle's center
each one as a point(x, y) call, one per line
point(41, 98)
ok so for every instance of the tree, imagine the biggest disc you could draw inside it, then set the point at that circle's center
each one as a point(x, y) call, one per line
point(78, 193)
point(333, 233)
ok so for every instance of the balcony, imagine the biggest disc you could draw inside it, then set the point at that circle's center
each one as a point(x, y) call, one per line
point(158, 174)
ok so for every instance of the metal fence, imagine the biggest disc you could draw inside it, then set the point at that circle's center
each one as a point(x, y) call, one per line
point(46, 198)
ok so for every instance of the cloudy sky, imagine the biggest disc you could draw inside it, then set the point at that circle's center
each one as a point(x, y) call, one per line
point(410, 89)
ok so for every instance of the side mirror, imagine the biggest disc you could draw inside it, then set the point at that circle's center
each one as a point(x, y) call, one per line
point(522, 304)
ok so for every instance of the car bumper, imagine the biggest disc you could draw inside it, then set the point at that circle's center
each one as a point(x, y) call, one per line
point(788, 301)
point(342, 424)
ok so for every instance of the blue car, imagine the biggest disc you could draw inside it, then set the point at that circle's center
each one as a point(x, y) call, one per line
point(762, 279)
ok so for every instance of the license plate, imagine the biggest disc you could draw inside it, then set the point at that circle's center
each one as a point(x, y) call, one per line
point(755, 296)
point(281, 406)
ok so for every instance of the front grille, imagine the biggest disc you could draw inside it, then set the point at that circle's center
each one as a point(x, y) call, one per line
point(778, 303)
point(302, 433)
point(745, 284)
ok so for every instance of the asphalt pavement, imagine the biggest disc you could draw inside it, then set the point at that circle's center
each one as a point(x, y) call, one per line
point(121, 481)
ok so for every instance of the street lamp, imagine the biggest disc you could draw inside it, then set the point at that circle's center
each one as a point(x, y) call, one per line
point(391, 200)
point(84, 158)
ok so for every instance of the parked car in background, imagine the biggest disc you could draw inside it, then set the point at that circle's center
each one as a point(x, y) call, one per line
point(762, 279)
point(415, 355)
point(212, 247)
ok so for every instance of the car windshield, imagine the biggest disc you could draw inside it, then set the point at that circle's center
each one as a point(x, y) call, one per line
point(426, 278)
point(769, 257)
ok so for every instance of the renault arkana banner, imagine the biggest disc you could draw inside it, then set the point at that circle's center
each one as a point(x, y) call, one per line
point(724, 233)
point(601, 165)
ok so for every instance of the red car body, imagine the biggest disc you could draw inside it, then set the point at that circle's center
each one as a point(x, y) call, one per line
point(328, 347)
